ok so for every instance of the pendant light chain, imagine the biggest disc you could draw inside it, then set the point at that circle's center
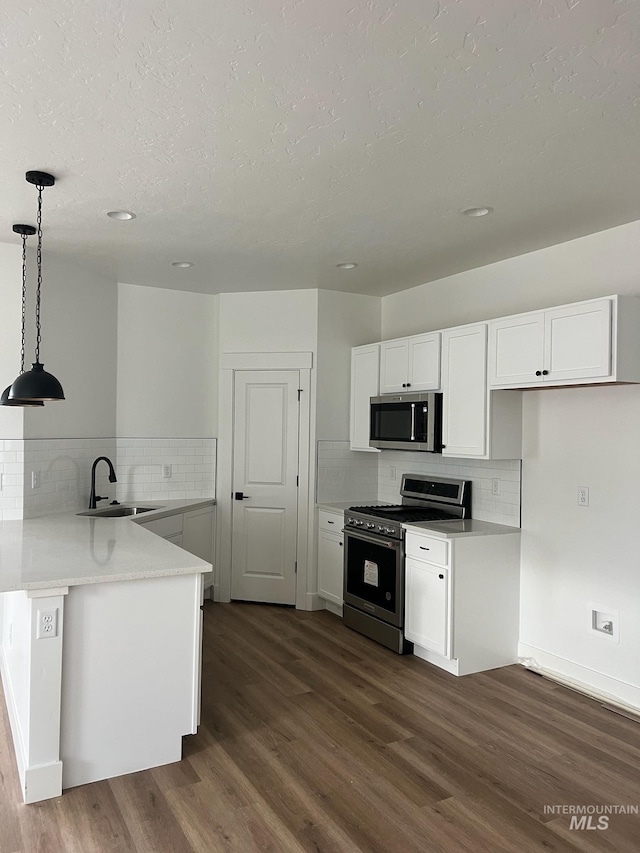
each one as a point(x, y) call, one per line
point(39, 262)
point(24, 296)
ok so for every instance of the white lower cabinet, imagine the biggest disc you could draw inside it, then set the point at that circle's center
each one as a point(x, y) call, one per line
point(330, 556)
point(427, 612)
point(462, 599)
point(192, 530)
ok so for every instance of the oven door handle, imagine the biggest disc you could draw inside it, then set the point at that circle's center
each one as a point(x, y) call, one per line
point(375, 540)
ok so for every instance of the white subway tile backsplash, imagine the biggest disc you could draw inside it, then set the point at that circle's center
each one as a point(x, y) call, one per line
point(140, 464)
point(343, 474)
point(63, 468)
point(485, 506)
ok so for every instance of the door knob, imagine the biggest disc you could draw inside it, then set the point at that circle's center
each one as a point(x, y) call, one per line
point(240, 496)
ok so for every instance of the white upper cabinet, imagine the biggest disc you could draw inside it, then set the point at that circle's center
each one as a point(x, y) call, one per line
point(464, 412)
point(594, 341)
point(476, 423)
point(410, 364)
point(365, 383)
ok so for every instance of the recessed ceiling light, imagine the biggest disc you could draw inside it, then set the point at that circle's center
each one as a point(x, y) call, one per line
point(477, 211)
point(348, 266)
point(121, 214)
point(183, 265)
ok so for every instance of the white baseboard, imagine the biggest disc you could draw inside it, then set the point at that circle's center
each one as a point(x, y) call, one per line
point(336, 609)
point(599, 686)
point(43, 782)
point(451, 666)
point(314, 602)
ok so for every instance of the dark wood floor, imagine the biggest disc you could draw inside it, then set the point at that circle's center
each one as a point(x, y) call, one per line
point(313, 738)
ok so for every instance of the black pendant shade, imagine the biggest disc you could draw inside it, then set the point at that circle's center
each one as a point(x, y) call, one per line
point(6, 401)
point(34, 386)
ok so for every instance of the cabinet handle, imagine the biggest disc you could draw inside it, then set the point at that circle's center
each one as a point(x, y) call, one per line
point(545, 372)
point(424, 548)
point(330, 522)
point(408, 385)
point(441, 577)
point(341, 544)
point(538, 373)
point(404, 384)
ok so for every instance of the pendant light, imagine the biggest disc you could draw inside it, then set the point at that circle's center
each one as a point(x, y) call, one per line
point(24, 231)
point(37, 384)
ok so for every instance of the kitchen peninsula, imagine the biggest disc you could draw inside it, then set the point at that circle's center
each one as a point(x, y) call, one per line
point(100, 656)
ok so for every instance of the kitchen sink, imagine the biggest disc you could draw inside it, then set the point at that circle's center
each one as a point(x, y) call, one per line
point(118, 511)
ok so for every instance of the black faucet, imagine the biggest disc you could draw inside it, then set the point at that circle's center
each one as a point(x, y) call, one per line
point(112, 479)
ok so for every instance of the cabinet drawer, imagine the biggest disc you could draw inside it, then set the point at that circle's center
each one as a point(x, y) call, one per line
point(332, 522)
point(427, 548)
point(168, 526)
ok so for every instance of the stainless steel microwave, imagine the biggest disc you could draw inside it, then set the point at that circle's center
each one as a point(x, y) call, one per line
point(406, 422)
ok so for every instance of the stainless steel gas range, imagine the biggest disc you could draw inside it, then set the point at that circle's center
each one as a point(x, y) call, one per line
point(374, 553)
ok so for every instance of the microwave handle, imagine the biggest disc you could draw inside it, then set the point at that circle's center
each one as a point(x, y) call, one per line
point(413, 422)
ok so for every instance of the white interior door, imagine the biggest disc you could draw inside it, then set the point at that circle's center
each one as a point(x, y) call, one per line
point(265, 471)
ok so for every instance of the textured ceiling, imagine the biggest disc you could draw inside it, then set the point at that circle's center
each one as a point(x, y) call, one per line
point(267, 141)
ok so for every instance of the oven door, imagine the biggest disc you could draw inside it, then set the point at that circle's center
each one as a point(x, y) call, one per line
point(374, 575)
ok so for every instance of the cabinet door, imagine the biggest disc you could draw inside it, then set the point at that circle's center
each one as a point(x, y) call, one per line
point(365, 383)
point(197, 533)
point(424, 362)
point(330, 566)
point(464, 387)
point(427, 617)
point(394, 366)
point(578, 341)
point(516, 350)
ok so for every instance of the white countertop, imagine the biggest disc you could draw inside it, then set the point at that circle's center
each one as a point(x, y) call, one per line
point(67, 550)
point(455, 529)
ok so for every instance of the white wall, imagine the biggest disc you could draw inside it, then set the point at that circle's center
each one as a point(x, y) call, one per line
point(345, 320)
point(597, 265)
point(271, 321)
point(572, 437)
point(571, 555)
point(79, 348)
point(167, 363)
point(11, 418)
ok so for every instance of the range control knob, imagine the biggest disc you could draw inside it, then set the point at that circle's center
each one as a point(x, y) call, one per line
point(370, 525)
point(390, 531)
point(381, 529)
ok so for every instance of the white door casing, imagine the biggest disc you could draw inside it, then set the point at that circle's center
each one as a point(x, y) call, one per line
point(265, 471)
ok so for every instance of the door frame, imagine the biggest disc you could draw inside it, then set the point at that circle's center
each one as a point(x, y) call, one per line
point(261, 361)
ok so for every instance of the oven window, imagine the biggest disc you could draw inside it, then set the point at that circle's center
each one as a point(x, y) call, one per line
point(371, 573)
point(392, 421)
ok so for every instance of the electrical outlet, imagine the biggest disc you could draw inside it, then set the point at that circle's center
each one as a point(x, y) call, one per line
point(166, 471)
point(605, 622)
point(392, 472)
point(47, 624)
point(583, 496)
point(495, 486)
point(35, 479)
